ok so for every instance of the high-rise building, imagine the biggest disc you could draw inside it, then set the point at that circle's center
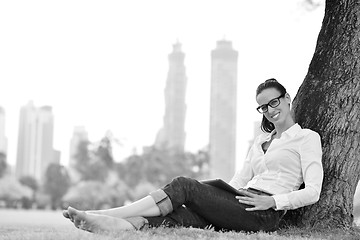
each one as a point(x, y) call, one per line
point(35, 141)
point(172, 135)
point(256, 132)
point(79, 134)
point(3, 139)
point(223, 97)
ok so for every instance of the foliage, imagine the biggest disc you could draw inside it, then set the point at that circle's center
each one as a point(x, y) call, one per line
point(57, 183)
point(121, 193)
point(141, 190)
point(29, 181)
point(12, 190)
point(312, 4)
point(42, 200)
point(89, 167)
point(3, 164)
point(82, 158)
point(94, 160)
point(96, 170)
point(159, 167)
point(104, 151)
point(96, 195)
point(32, 183)
point(142, 173)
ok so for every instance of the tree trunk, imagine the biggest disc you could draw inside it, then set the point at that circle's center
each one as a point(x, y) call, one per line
point(328, 101)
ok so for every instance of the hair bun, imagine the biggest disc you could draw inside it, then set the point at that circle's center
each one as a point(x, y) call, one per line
point(271, 80)
point(270, 83)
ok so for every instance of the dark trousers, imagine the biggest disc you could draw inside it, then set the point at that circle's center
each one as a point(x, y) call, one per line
point(203, 206)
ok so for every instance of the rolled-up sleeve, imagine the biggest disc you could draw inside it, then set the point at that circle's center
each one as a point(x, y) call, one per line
point(312, 171)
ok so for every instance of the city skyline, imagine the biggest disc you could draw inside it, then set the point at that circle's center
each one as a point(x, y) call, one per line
point(35, 141)
point(172, 135)
point(223, 110)
point(104, 66)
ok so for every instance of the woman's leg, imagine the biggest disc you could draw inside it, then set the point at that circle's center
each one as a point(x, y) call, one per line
point(153, 210)
point(180, 217)
point(98, 223)
point(218, 207)
point(213, 205)
point(144, 207)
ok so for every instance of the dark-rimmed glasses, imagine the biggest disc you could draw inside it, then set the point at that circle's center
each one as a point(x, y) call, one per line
point(272, 103)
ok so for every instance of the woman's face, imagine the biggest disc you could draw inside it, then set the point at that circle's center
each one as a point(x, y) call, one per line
point(268, 99)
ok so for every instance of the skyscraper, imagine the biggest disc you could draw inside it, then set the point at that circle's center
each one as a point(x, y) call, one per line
point(35, 141)
point(3, 139)
point(256, 132)
point(223, 110)
point(172, 135)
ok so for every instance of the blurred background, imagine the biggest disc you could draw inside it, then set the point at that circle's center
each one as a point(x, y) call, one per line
point(103, 102)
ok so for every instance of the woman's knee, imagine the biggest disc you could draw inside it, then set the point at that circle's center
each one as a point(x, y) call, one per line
point(184, 180)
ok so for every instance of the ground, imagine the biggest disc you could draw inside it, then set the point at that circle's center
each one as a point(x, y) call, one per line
point(32, 224)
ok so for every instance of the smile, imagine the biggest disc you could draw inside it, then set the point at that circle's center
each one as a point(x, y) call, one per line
point(275, 115)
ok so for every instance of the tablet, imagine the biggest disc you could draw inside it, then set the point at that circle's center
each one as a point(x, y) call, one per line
point(219, 183)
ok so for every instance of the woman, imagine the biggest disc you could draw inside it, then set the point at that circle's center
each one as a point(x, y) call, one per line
point(280, 160)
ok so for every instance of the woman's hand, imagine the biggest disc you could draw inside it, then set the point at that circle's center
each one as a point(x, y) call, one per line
point(258, 201)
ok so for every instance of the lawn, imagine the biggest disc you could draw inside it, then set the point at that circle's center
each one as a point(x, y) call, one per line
point(20, 224)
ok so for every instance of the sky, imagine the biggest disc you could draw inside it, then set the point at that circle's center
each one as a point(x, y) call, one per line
point(103, 64)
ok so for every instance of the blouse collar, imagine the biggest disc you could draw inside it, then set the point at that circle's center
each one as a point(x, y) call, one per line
point(290, 132)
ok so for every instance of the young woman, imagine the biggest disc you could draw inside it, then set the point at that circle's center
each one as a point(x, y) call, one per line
point(280, 160)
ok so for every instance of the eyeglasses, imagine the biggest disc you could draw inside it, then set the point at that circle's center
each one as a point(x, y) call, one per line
point(272, 103)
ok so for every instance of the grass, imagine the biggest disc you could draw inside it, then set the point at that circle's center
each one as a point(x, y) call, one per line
point(39, 225)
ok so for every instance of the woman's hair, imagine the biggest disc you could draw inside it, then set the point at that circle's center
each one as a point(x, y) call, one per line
point(266, 125)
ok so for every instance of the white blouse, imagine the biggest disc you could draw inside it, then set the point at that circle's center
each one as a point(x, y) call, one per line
point(292, 159)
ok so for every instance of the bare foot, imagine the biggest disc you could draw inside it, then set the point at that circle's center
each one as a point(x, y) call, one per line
point(67, 215)
point(98, 223)
point(99, 212)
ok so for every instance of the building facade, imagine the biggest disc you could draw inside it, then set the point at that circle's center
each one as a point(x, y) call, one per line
point(35, 141)
point(172, 135)
point(223, 98)
point(3, 139)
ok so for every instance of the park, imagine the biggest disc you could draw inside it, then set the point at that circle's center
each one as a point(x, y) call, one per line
point(328, 102)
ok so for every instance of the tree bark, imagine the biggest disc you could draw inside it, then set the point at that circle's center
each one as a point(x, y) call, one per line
point(328, 101)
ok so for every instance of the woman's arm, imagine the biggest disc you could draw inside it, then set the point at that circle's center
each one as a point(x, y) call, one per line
point(312, 171)
point(244, 175)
